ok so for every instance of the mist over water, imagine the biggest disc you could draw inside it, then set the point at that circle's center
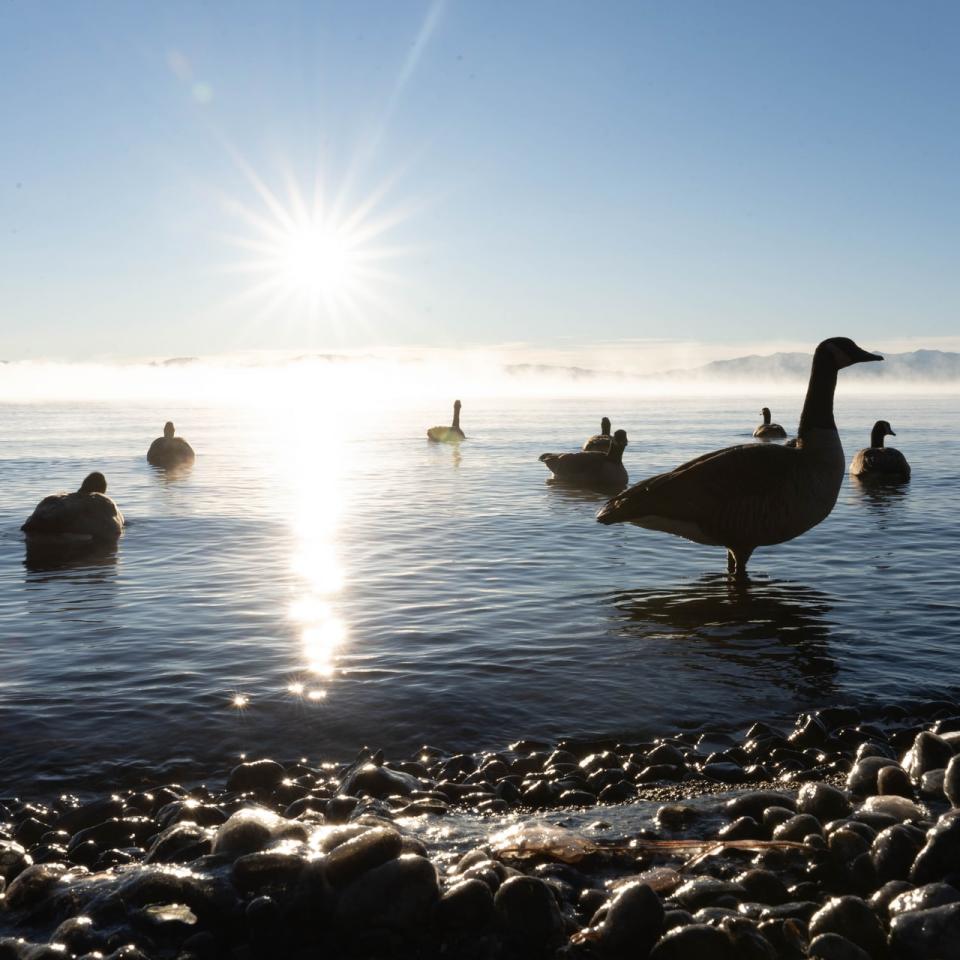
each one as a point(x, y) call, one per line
point(324, 577)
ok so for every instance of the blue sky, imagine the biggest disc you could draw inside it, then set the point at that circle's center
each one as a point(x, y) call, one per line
point(551, 173)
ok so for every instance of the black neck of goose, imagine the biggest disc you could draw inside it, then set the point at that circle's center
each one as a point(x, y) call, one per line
point(818, 407)
point(766, 417)
point(615, 453)
point(876, 436)
point(456, 418)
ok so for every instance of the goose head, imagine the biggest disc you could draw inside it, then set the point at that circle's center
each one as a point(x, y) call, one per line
point(605, 427)
point(765, 413)
point(168, 430)
point(619, 439)
point(880, 430)
point(94, 482)
point(843, 352)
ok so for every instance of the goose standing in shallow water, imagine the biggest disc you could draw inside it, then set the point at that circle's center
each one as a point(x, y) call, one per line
point(878, 462)
point(755, 494)
point(599, 441)
point(593, 469)
point(170, 451)
point(87, 514)
point(451, 434)
point(768, 430)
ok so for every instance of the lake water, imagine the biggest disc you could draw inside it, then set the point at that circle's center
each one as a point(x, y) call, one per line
point(313, 585)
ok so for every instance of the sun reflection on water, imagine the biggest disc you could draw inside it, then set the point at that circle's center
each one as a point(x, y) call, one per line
point(315, 465)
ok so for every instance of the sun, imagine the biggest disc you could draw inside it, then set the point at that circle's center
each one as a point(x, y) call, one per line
point(314, 256)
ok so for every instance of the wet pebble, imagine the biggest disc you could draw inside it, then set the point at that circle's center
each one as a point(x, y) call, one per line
point(925, 934)
point(823, 801)
point(527, 914)
point(633, 922)
point(354, 857)
point(694, 942)
point(940, 854)
point(398, 895)
point(466, 908)
point(831, 946)
point(259, 776)
point(852, 918)
point(923, 898)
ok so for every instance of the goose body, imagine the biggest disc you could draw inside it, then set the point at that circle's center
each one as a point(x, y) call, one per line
point(451, 434)
point(88, 514)
point(170, 451)
point(878, 462)
point(753, 494)
point(599, 441)
point(591, 468)
point(768, 430)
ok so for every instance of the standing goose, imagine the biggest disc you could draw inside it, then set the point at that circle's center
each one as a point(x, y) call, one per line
point(768, 430)
point(599, 441)
point(88, 514)
point(593, 469)
point(755, 494)
point(170, 451)
point(878, 462)
point(451, 434)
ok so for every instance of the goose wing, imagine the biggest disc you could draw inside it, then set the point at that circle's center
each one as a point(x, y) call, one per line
point(703, 488)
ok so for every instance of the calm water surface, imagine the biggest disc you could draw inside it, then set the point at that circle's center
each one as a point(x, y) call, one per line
point(311, 586)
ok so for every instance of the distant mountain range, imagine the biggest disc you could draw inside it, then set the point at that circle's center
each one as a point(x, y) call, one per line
point(935, 367)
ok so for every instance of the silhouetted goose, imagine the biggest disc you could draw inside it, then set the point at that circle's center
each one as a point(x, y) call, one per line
point(451, 434)
point(755, 494)
point(599, 441)
point(768, 430)
point(880, 462)
point(87, 514)
point(600, 471)
point(170, 451)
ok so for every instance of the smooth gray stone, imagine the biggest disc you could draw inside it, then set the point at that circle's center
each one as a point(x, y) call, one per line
point(527, 914)
point(924, 934)
point(831, 946)
point(923, 898)
point(262, 776)
point(823, 801)
point(763, 886)
point(13, 859)
point(951, 781)
point(398, 895)
point(929, 752)
point(862, 779)
point(246, 831)
point(266, 868)
point(633, 922)
point(894, 851)
point(709, 892)
point(798, 827)
point(378, 781)
point(940, 854)
point(881, 898)
point(466, 908)
point(852, 918)
point(754, 802)
point(895, 781)
point(696, 941)
point(353, 857)
point(180, 843)
point(33, 884)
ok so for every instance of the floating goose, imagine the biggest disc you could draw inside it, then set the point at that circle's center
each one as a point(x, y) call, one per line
point(451, 434)
point(755, 494)
point(878, 462)
point(599, 441)
point(87, 514)
point(603, 471)
point(768, 430)
point(170, 451)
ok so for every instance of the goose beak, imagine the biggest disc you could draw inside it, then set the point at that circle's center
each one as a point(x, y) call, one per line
point(862, 356)
point(892, 434)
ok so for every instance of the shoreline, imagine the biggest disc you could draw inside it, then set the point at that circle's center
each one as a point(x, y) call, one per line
point(700, 844)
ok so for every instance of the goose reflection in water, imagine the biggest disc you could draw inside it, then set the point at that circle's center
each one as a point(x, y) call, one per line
point(884, 498)
point(90, 562)
point(756, 630)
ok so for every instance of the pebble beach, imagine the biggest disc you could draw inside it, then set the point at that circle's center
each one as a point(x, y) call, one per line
point(837, 839)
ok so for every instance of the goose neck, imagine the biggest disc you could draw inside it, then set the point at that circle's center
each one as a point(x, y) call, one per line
point(818, 406)
point(876, 437)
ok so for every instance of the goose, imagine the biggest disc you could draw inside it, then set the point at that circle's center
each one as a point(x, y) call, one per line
point(170, 451)
point(88, 514)
point(591, 468)
point(754, 494)
point(451, 434)
point(878, 462)
point(768, 430)
point(599, 441)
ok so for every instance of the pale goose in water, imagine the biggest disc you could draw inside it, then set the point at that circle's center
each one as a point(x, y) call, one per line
point(599, 441)
point(170, 451)
point(593, 469)
point(87, 514)
point(878, 462)
point(755, 494)
point(451, 434)
point(768, 430)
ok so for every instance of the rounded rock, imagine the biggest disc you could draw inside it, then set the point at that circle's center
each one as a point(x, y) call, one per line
point(633, 922)
point(398, 895)
point(260, 776)
point(527, 914)
point(951, 781)
point(697, 941)
point(852, 918)
point(823, 801)
point(831, 946)
point(920, 934)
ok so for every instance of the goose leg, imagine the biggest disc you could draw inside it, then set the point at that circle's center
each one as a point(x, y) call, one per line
point(737, 561)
